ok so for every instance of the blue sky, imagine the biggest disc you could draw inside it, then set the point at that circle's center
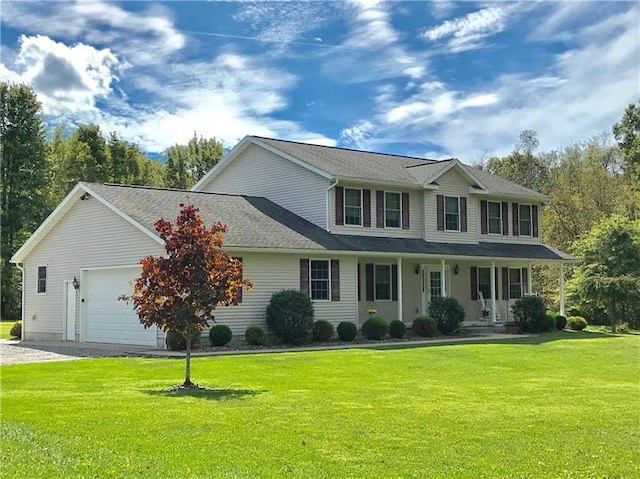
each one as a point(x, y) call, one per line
point(435, 79)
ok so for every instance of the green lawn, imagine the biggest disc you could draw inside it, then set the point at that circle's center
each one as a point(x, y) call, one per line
point(5, 327)
point(563, 405)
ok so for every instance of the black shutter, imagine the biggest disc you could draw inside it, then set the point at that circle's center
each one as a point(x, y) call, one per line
point(394, 282)
point(405, 211)
point(380, 209)
point(495, 280)
point(238, 296)
point(366, 208)
point(525, 281)
point(484, 214)
point(440, 211)
point(534, 220)
point(335, 280)
point(368, 278)
point(339, 205)
point(359, 284)
point(505, 218)
point(304, 275)
point(463, 214)
point(505, 283)
point(473, 272)
point(516, 226)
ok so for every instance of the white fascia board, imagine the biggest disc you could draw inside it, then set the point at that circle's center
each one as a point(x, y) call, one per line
point(292, 159)
point(222, 164)
point(455, 163)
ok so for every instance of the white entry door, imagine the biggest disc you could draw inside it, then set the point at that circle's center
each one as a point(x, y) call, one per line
point(70, 311)
point(432, 284)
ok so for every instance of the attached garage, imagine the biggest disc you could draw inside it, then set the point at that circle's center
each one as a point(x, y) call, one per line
point(107, 320)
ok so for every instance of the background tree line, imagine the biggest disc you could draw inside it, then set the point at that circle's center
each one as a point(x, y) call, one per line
point(40, 167)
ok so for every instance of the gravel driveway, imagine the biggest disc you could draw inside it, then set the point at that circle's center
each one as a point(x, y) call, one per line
point(21, 352)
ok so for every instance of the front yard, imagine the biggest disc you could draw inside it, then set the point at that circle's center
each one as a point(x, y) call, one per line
point(561, 405)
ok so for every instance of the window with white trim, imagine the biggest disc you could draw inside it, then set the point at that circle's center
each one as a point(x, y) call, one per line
point(524, 220)
point(451, 213)
point(495, 217)
point(484, 282)
point(392, 210)
point(319, 279)
point(42, 280)
point(515, 283)
point(353, 206)
point(382, 282)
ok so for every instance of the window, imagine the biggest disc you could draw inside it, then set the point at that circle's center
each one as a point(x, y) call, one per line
point(382, 278)
point(452, 213)
point(42, 279)
point(515, 283)
point(495, 218)
point(319, 272)
point(524, 222)
point(352, 207)
point(392, 210)
point(484, 282)
point(435, 284)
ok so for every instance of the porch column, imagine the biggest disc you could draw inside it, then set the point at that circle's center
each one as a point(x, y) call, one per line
point(561, 281)
point(443, 279)
point(358, 293)
point(529, 285)
point(400, 289)
point(493, 292)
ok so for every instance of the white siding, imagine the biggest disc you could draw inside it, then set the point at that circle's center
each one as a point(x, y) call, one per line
point(258, 172)
point(89, 235)
point(493, 238)
point(415, 215)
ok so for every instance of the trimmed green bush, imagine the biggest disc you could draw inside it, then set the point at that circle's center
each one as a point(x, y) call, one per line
point(448, 314)
point(559, 321)
point(177, 342)
point(576, 323)
point(347, 331)
point(375, 327)
point(397, 329)
point(220, 335)
point(425, 327)
point(530, 315)
point(323, 330)
point(16, 330)
point(290, 316)
point(255, 336)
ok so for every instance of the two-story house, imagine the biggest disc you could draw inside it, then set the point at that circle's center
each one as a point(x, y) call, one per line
point(352, 229)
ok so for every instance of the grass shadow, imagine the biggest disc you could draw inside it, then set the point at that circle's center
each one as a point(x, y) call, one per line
point(211, 394)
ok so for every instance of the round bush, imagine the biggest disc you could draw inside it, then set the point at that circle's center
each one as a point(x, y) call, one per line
point(255, 336)
point(16, 330)
point(576, 323)
point(448, 314)
point(375, 328)
point(559, 321)
point(176, 341)
point(397, 329)
point(290, 316)
point(530, 314)
point(347, 331)
point(322, 330)
point(425, 327)
point(220, 335)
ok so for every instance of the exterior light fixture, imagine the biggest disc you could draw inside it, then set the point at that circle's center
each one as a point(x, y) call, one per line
point(75, 283)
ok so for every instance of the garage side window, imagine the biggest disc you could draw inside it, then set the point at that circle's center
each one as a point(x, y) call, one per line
point(42, 279)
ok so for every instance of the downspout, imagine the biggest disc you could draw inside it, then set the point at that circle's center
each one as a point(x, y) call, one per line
point(327, 205)
point(22, 308)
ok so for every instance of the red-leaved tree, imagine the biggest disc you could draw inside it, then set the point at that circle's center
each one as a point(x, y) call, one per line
point(180, 291)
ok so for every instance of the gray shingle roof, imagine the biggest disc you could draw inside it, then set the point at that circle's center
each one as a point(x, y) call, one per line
point(255, 222)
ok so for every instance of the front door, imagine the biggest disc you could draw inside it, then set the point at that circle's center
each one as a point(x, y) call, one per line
point(432, 284)
point(70, 311)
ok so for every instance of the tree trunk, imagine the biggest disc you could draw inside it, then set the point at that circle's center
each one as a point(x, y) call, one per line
point(187, 377)
point(612, 316)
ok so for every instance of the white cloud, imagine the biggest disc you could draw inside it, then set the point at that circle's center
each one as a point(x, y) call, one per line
point(357, 134)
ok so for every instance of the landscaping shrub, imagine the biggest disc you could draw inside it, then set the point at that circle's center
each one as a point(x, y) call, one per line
point(375, 328)
point(397, 329)
point(425, 327)
point(290, 316)
point(576, 323)
point(559, 321)
point(255, 336)
point(220, 335)
point(176, 342)
point(322, 330)
point(530, 314)
point(448, 314)
point(347, 331)
point(16, 330)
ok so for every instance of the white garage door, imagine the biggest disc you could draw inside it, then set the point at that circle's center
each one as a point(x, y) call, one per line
point(107, 319)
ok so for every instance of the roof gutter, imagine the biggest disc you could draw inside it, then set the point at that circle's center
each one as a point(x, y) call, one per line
point(331, 186)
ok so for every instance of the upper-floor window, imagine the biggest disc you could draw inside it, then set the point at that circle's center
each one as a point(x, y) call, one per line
point(42, 279)
point(392, 210)
point(382, 282)
point(353, 206)
point(495, 217)
point(319, 280)
point(525, 220)
point(515, 283)
point(452, 213)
